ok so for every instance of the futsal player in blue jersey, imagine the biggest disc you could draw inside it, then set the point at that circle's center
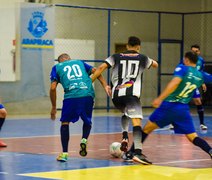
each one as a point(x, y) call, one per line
point(3, 114)
point(172, 104)
point(197, 97)
point(78, 99)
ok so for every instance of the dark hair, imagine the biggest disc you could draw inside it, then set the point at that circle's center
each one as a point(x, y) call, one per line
point(195, 46)
point(192, 56)
point(134, 41)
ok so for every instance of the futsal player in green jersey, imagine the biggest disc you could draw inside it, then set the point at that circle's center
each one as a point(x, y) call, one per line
point(172, 104)
point(78, 99)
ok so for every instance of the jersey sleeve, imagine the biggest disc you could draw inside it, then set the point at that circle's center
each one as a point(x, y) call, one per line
point(179, 71)
point(149, 62)
point(202, 63)
point(110, 61)
point(53, 75)
point(207, 78)
point(88, 68)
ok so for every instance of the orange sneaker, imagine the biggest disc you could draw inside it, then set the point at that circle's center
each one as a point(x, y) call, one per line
point(2, 144)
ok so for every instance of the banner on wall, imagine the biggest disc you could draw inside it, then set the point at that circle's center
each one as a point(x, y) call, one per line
point(36, 47)
point(37, 26)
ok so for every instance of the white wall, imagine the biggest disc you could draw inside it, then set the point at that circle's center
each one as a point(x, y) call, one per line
point(7, 35)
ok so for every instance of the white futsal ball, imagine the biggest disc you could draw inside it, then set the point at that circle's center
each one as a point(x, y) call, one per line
point(115, 150)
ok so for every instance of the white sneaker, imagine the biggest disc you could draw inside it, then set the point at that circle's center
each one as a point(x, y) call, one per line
point(203, 127)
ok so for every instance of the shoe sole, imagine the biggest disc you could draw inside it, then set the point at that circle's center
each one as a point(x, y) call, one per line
point(83, 151)
point(141, 161)
point(61, 160)
point(124, 146)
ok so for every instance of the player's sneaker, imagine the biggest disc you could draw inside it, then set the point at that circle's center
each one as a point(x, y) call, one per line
point(128, 156)
point(171, 127)
point(141, 159)
point(83, 147)
point(203, 127)
point(124, 145)
point(63, 157)
point(2, 144)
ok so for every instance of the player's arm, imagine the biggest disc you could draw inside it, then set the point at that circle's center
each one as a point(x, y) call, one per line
point(103, 82)
point(98, 71)
point(171, 87)
point(154, 64)
point(53, 97)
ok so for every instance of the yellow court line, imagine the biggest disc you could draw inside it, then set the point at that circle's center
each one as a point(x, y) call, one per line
point(135, 172)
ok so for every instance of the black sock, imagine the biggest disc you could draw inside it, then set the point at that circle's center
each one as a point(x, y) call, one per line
point(64, 132)
point(200, 111)
point(144, 136)
point(124, 135)
point(202, 144)
point(86, 130)
point(1, 122)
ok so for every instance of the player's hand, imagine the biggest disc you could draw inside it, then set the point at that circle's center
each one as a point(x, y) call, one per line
point(108, 90)
point(204, 88)
point(156, 102)
point(53, 113)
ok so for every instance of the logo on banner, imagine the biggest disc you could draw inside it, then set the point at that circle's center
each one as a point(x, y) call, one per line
point(37, 25)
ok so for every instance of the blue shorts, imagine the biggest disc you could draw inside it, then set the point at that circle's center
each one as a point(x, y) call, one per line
point(1, 106)
point(196, 94)
point(75, 108)
point(177, 114)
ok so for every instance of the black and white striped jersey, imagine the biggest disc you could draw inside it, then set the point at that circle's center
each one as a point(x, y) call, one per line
point(126, 74)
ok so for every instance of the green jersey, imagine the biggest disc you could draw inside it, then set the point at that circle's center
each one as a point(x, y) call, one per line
point(74, 77)
point(191, 79)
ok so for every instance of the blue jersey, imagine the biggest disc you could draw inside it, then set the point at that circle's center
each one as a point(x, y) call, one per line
point(199, 65)
point(191, 79)
point(74, 77)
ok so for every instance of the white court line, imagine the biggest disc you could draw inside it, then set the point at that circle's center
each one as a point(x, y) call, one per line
point(184, 161)
point(3, 172)
point(55, 135)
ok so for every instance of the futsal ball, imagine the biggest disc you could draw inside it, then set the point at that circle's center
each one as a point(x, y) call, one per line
point(115, 150)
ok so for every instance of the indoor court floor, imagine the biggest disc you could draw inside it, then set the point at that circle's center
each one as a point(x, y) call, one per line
point(34, 143)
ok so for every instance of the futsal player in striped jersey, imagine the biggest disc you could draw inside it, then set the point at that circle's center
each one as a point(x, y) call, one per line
point(74, 76)
point(126, 79)
point(172, 104)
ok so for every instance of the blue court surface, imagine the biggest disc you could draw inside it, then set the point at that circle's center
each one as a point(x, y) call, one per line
point(34, 143)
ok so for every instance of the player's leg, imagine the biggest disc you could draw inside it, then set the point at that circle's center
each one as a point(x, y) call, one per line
point(125, 128)
point(86, 115)
point(200, 109)
point(120, 103)
point(69, 114)
point(3, 114)
point(197, 141)
point(134, 111)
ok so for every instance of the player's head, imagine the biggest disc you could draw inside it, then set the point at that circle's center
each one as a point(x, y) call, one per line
point(63, 57)
point(134, 43)
point(196, 48)
point(190, 58)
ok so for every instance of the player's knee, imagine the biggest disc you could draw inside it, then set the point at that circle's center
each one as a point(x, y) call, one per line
point(3, 113)
point(197, 101)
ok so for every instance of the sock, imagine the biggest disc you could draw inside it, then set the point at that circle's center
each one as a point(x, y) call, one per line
point(125, 135)
point(144, 136)
point(64, 132)
point(1, 122)
point(125, 123)
point(137, 137)
point(202, 144)
point(86, 128)
point(200, 111)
